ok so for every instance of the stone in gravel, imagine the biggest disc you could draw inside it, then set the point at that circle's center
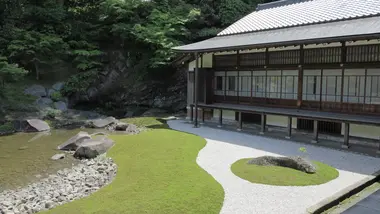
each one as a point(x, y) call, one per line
point(36, 125)
point(297, 163)
point(57, 189)
point(74, 142)
point(92, 148)
point(58, 156)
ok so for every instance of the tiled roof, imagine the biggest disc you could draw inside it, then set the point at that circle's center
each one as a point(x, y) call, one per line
point(365, 28)
point(282, 15)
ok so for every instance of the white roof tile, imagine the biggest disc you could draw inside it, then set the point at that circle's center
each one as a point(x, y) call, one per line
point(309, 12)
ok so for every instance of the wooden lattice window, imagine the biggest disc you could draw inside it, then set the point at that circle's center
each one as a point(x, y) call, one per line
point(284, 57)
point(225, 61)
point(252, 59)
point(363, 53)
point(322, 55)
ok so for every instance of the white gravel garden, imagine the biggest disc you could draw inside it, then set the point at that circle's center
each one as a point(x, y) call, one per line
point(224, 148)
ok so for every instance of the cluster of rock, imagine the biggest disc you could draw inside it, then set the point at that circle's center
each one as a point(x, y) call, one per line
point(297, 163)
point(87, 146)
point(46, 98)
point(112, 124)
point(63, 187)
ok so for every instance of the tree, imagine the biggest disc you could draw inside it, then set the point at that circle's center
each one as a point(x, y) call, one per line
point(36, 49)
point(9, 72)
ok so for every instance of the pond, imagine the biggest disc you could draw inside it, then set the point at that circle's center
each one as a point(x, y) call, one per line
point(25, 157)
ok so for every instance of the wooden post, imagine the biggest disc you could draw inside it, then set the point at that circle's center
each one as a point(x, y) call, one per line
point(240, 127)
point(346, 144)
point(191, 114)
point(315, 134)
point(203, 116)
point(220, 118)
point(289, 128)
point(196, 88)
point(238, 76)
point(300, 87)
point(263, 123)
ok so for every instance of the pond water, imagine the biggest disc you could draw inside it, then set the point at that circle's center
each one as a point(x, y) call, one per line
point(25, 157)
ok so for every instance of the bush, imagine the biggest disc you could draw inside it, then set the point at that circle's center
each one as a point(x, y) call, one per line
point(7, 128)
point(56, 96)
point(53, 113)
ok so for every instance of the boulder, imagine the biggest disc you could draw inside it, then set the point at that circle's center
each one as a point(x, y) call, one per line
point(297, 163)
point(50, 92)
point(74, 142)
point(132, 129)
point(60, 105)
point(58, 156)
point(44, 102)
point(101, 123)
point(58, 86)
point(92, 148)
point(36, 90)
point(120, 126)
point(36, 125)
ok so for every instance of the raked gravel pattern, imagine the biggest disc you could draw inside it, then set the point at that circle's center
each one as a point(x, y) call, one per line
point(223, 148)
point(65, 186)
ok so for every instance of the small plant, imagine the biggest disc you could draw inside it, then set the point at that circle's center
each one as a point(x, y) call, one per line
point(303, 150)
point(56, 96)
point(52, 113)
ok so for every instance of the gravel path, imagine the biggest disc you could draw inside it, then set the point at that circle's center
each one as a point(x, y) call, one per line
point(224, 148)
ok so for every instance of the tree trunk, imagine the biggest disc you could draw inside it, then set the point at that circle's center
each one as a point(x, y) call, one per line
point(37, 71)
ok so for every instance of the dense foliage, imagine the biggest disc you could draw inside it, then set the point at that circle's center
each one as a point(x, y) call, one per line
point(39, 35)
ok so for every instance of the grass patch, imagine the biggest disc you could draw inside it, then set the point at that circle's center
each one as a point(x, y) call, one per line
point(283, 176)
point(157, 173)
point(149, 122)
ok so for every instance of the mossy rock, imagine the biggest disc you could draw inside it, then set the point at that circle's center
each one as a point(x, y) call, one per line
point(283, 176)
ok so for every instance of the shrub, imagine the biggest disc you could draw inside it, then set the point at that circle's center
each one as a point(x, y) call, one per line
point(53, 113)
point(6, 128)
point(56, 96)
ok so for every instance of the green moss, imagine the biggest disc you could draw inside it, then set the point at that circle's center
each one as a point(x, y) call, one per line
point(283, 176)
point(157, 173)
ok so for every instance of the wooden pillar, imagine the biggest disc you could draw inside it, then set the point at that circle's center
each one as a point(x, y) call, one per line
point(346, 144)
point(196, 88)
point(240, 126)
point(263, 123)
point(191, 113)
point(203, 116)
point(320, 90)
point(300, 78)
point(238, 76)
point(289, 134)
point(220, 118)
point(343, 61)
point(315, 134)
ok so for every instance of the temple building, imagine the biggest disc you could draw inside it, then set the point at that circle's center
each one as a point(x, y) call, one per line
point(300, 64)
